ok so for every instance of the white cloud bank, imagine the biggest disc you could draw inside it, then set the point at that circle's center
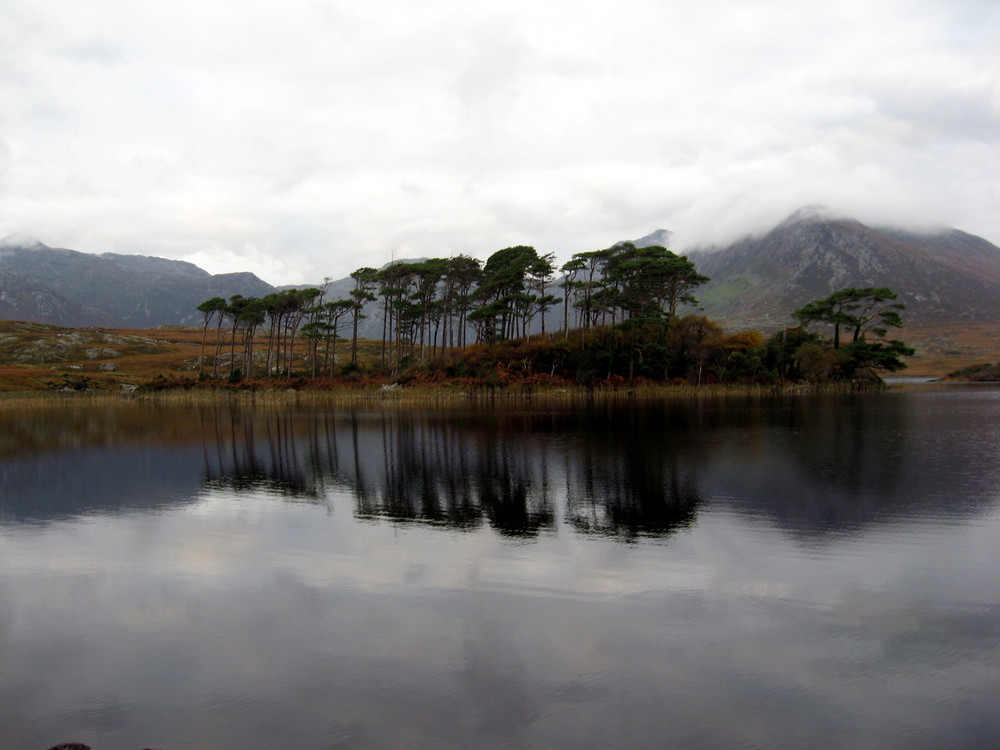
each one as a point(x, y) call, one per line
point(307, 139)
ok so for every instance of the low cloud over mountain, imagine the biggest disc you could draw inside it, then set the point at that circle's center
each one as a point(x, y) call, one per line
point(757, 281)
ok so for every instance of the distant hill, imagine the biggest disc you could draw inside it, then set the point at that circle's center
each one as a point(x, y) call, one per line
point(758, 281)
point(70, 288)
point(23, 298)
point(943, 277)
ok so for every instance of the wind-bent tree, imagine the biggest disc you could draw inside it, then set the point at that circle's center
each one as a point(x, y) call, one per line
point(233, 311)
point(276, 305)
point(867, 309)
point(876, 312)
point(428, 274)
point(253, 313)
point(571, 270)
point(302, 301)
point(324, 322)
point(590, 286)
point(461, 274)
point(312, 333)
point(210, 309)
point(862, 311)
point(221, 316)
point(246, 315)
point(365, 280)
point(679, 278)
point(334, 314)
point(392, 282)
point(539, 278)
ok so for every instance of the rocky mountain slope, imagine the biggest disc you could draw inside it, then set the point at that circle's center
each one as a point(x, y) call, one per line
point(758, 281)
point(23, 298)
point(944, 277)
point(70, 288)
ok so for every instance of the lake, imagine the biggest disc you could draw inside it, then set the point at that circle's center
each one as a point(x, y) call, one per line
point(796, 571)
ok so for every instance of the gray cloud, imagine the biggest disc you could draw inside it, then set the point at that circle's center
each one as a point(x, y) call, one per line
point(306, 142)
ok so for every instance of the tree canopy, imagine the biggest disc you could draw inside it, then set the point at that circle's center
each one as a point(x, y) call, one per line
point(861, 311)
point(624, 306)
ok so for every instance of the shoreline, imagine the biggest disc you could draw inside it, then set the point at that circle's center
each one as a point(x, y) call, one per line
point(423, 395)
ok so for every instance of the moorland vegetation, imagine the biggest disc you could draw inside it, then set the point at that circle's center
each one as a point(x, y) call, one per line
point(625, 314)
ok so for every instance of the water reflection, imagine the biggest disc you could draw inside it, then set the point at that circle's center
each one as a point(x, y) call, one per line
point(635, 474)
point(326, 578)
point(247, 452)
point(626, 469)
point(447, 469)
point(814, 465)
point(64, 459)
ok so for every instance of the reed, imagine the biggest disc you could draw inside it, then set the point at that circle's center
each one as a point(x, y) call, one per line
point(415, 396)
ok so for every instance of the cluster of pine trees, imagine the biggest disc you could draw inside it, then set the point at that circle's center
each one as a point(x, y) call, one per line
point(442, 304)
point(617, 313)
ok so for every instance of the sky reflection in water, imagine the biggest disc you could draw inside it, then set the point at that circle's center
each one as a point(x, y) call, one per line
point(802, 571)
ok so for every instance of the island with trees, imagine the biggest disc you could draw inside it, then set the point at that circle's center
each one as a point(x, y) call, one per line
point(625, 314)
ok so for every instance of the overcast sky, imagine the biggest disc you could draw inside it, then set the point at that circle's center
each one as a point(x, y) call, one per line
point(304, 139)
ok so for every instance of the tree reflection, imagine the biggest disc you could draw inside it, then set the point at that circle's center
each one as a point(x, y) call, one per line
point(516, 502)
point(461, 470)
point(812, 464)
point(639, 482)
point(267, 451)
point(437, 471)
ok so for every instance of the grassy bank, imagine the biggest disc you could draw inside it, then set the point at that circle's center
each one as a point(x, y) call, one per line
point(411, 396)
point(49, 359)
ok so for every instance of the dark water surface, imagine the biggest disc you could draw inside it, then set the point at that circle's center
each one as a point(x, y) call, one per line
point(797, 572)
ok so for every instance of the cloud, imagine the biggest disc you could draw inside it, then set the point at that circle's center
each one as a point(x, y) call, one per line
point(307, 142)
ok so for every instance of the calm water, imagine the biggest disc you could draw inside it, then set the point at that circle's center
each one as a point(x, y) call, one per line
point(808, 572)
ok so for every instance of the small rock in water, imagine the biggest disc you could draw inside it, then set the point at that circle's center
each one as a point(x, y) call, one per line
point(71, 746)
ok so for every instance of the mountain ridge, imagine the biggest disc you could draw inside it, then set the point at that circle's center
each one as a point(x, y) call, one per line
point(71, 288)
point(755, 282)
point(759, 280)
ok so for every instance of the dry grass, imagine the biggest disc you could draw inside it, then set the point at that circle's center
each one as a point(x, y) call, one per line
point(38, 357)
point(947, 346)
point(416, 397)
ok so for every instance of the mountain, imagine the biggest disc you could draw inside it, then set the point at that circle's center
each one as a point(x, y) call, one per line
point(70, 288)
point(947, 276)
point(21, 298)
point(758, 281)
